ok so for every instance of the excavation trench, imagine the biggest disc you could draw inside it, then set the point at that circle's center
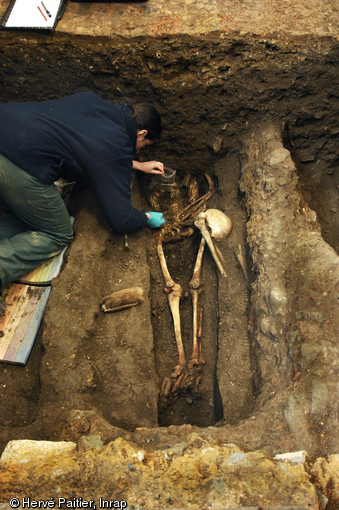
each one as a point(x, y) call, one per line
point(97, 368)
point(202, 406)
point(261, 333)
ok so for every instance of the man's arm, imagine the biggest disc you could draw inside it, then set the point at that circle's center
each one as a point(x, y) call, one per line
point(112, 185)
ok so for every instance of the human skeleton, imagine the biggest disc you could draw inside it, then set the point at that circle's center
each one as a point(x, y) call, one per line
point(187, 375)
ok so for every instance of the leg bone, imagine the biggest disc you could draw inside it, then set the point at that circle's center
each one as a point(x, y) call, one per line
point(200, 223)
point(195, 290)
point(167, 277)
point(174, 292)
point(174, 301)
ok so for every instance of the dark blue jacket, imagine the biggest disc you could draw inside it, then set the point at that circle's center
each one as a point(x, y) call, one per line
point(77, 137)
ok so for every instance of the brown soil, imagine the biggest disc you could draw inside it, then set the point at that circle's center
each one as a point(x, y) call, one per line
point(115, 364)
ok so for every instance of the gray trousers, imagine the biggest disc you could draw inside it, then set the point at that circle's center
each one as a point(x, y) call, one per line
point(34, 222)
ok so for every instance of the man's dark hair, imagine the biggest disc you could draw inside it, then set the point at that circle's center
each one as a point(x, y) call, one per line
point(147, 117)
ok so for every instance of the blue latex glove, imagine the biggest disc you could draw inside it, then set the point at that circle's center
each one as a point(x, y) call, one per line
point(156, 219)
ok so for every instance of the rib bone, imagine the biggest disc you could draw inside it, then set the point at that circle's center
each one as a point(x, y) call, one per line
point(194, 207)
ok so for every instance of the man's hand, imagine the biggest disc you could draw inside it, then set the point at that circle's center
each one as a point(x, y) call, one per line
point(149, 167)
point(155, 219)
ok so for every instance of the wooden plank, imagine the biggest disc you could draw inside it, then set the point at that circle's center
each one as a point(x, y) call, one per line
point(19, 327)
point(24, 320)
point(25, 305)
point(33, 328)
point(14, 310)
